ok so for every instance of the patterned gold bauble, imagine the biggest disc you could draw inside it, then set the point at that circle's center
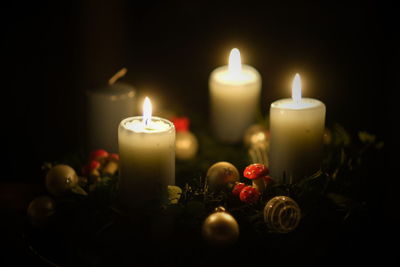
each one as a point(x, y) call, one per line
point(61, 179)
point(221, 174)
point(186, 145)
point(40, 210)
point(282, 214)
point(220, 228)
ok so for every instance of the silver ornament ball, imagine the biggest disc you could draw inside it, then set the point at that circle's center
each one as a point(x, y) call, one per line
point(220, 228)
point(282, 214)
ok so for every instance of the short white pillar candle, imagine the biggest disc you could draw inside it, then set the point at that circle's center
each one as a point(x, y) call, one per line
point(147, 159)
point(234, 98)
point(106, 107)
point(296, 127)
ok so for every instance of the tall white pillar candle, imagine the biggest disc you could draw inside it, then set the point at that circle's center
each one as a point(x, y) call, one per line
point(296, 127)
point(106, 107)
point(234, 98)
point(147, 159)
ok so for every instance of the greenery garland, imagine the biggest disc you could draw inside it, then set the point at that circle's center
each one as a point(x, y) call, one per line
point(88, 229)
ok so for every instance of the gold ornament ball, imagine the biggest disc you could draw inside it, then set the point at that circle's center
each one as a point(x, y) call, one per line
point(61, 179)
point(220, 228)
point(186, 145)
point(255, 134)
point(221, 174)
point(282, 214)
point(40, 210)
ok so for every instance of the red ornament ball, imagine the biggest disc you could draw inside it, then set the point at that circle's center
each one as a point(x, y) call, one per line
point(238, 188)
point(249, 195)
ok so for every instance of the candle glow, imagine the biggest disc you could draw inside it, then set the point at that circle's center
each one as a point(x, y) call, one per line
point(235, 62)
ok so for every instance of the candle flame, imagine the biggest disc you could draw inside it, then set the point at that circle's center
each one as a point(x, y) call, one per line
point(147, 110)
point(296, 88)
point(235, 62)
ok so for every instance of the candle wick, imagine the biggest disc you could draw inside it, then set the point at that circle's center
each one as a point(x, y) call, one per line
point(121, 73)
point(147, 123)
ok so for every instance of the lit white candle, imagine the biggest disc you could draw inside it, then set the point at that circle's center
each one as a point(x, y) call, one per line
point(234, 98)
point(296, 127)
point(106, 107)
point(147, 159)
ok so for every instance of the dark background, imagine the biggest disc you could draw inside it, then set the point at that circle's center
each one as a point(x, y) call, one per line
point(59, 50)
point(56, 50)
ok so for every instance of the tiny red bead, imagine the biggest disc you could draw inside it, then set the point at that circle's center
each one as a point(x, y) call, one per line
point(238, 188)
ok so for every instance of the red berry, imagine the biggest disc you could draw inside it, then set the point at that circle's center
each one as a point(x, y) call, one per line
point(237, 189)
point(113, 156)
point(249, 195)
point(255, 171)
point(98, 154)
point(181, 124)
